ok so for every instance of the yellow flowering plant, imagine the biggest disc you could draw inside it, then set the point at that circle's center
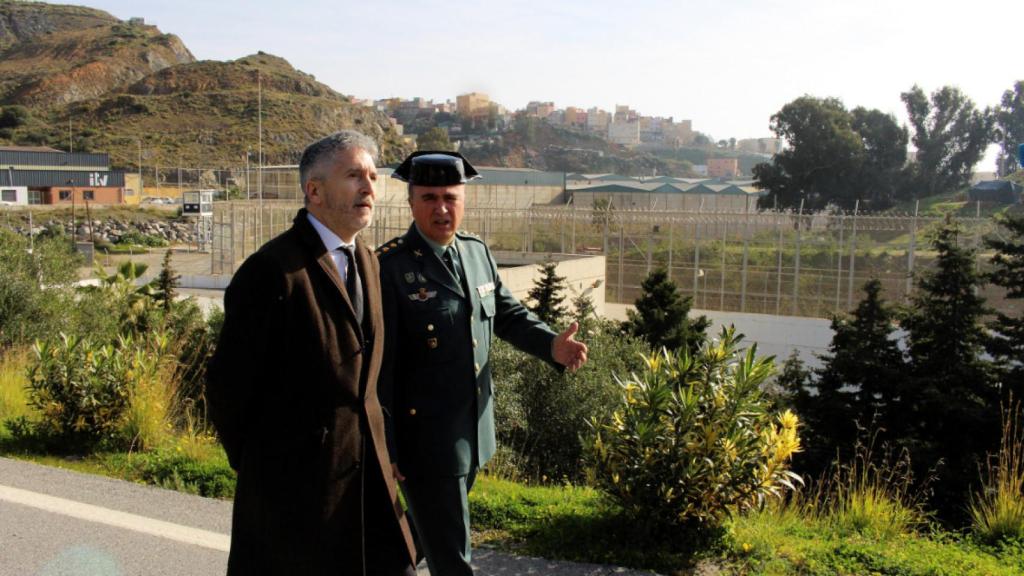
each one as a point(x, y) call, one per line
point(693, 440)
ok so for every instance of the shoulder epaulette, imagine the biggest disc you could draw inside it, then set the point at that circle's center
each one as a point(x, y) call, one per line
point(390, 247)
point(463, 235)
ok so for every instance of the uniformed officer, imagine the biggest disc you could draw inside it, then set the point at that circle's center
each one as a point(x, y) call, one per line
point(443, 302)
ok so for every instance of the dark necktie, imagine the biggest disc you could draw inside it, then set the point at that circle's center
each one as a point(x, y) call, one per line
point(352, 284)
point(451, 260)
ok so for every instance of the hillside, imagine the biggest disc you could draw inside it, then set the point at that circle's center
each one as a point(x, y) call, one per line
point(83, 60)
point(25, 21)
point(539, 145)
point(206, 114)
point(110, 86)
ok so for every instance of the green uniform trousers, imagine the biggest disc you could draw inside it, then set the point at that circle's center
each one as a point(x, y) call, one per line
point(439, 506)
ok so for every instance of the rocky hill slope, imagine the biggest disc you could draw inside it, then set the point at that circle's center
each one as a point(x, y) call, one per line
point(117, 87)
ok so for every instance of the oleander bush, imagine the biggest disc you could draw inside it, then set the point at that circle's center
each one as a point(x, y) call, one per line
point(692, 439)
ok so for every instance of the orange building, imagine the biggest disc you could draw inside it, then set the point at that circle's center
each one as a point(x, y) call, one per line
point(723, 167)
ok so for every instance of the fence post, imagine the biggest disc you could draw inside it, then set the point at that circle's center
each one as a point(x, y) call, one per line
point(853, 255)
point(839, 260)
point(606, 217)
point(746, 252)
point(622, 252)
point(231, 264)
point(796, 260)
point(671, 241)
point(721, 284)
point(650, 245)
point(778, 270)
point(574, 227)
point(696, 252)
point(910, 252)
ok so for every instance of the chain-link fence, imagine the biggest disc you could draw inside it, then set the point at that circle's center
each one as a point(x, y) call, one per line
point(751, 261)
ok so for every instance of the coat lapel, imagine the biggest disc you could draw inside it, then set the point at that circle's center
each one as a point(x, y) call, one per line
point(324, 260)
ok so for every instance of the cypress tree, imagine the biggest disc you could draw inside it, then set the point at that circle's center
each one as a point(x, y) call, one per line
point(547, 294)
point(1006, 345)
point(858, 384)
point(949, 404)
point(661, 315)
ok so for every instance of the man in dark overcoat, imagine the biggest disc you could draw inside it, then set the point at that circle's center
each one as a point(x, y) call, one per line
point(444, 302)
point(292, 387)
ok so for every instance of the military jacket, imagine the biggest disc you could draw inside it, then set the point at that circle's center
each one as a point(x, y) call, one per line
point(436, 382)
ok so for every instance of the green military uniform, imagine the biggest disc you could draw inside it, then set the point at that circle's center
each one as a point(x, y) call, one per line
point(436, 378)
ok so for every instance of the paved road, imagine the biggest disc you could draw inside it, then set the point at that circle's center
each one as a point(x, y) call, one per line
point(61, 523)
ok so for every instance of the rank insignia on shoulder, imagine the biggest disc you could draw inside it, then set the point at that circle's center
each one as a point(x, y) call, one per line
point(418, 253)
point(410, 277)
point(485, 289)
point(422, 295)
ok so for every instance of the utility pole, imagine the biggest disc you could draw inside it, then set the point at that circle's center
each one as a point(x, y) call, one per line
point(259, 173)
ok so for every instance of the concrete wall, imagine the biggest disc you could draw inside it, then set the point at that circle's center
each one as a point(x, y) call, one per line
point(775, 335)
point(520, 270)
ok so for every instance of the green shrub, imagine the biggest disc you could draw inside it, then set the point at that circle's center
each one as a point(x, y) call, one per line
point(136, 238)
point(997, 513)
point(541, 414)
point(872, 497)
point(692, 440)
point(170, 468)
point(80, 389)
point(83, 390)
point(35, 287)
point(13, 368)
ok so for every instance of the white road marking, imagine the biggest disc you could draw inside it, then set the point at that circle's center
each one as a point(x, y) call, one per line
point(134, 522)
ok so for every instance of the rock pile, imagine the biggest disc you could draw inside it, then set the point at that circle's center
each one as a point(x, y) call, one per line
point(110, 230)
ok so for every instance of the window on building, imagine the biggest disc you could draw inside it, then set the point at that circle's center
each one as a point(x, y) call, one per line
point(8, 195)
point(35, 197)
point(65, 195)
point(89, 195)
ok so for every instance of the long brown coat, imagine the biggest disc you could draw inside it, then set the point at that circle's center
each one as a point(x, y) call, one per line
point(292, 393)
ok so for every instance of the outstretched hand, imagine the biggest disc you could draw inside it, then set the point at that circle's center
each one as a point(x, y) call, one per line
point(567, 351)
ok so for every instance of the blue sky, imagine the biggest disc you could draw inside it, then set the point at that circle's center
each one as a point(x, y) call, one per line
point(726, 65)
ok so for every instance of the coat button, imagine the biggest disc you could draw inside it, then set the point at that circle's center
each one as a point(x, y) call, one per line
point(430, 327)
point(412, 412)
point(474, 342)
point(476, 368)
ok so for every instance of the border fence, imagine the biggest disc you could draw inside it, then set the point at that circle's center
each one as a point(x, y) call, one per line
point(786, 263)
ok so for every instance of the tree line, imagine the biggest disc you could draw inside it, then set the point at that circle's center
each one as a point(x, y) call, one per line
point(929, 379)
point(841, 157)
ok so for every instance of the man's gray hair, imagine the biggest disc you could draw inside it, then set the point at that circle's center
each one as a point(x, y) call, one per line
point(327, 147)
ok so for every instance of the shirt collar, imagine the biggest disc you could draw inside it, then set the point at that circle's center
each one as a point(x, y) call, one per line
point(330, 239)
point(438, 249)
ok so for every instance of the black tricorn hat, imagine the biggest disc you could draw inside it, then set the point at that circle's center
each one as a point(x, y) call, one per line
point(435, 168)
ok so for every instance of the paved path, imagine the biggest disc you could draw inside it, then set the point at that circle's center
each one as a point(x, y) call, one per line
point(57, 522)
